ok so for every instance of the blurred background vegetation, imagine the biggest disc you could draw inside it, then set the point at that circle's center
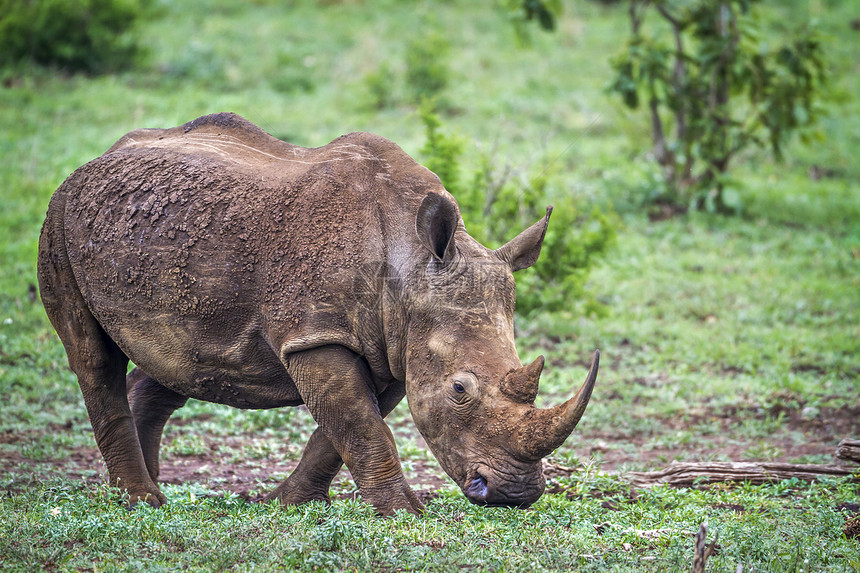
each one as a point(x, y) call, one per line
point(746, 76)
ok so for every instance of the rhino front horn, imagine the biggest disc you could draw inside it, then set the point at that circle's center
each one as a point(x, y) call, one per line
point(543, 430)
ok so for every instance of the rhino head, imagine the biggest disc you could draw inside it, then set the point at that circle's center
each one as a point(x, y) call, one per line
point(470, 396)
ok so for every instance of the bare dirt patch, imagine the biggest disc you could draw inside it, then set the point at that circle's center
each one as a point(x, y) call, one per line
point(252, 477)
point(798, 437)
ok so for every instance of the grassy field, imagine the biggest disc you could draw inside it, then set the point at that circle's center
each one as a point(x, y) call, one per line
point(724, 338)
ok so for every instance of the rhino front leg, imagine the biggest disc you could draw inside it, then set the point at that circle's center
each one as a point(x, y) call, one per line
point(320, 462)
point(336, 385)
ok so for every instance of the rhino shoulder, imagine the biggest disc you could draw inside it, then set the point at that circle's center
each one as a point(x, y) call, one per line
point(375, 146)
point(392, 164)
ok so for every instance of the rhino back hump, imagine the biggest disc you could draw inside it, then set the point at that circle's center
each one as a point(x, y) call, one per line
point(215, 241)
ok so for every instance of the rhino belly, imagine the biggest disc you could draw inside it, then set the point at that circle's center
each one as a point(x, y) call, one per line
point(232, 367)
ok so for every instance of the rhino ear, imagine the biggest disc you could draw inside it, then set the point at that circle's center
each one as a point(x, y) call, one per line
point(523, 250)
point(435, 224)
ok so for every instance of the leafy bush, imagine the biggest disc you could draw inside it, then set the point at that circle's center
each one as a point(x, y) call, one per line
point(713, 88)
point(76, 35)
point(427, 66)
point(495, 209)
point(379, 84)
point(521, 12)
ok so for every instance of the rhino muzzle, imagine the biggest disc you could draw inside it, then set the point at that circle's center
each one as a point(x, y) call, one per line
point(488, 487)
point(516, 479)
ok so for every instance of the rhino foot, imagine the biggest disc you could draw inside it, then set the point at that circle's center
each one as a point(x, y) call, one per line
point(388, 500)
point(288, 494)
point(311, 479)
point(150, 496)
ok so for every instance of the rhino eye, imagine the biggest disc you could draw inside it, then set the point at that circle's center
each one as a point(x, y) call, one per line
point(458, 388)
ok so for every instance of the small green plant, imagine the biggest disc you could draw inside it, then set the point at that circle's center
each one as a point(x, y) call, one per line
point(522, 12)
point(76, 35)
point(427, 65)
point(719, 87)
point(494, 208)
point(379, 84)
point(441, 151)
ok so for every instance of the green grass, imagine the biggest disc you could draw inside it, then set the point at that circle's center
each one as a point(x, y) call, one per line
point(785, 527)
point(724, 338)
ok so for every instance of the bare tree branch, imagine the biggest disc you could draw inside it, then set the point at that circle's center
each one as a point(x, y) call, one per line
point(637, 9)
point(703, 548)
point(848, 450)
point(685, 474)
point(665, 13)
point(679, 78)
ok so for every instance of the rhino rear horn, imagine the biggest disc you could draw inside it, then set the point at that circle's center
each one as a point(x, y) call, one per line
point(522, 384)
point(435, 224)
point(523, 250)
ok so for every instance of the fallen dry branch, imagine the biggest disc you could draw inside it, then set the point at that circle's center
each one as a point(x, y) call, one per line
point(691, 473)
point(848, 450)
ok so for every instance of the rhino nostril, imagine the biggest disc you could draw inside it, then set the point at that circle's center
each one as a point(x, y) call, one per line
point(476, 489)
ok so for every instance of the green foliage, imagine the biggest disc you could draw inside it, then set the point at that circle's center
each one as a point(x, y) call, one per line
point(711, 76)
point(441, 152)
point(522, 12)
point(380, 84)
point(427, 64)
point(292, 72)
point(577, 239)
point(76, 35)
point(495, 209)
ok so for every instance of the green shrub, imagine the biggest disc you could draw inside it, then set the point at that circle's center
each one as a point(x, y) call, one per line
point(427, 66)
point(713, 87)
point(380, 84)
point(75, 35)
point(495, 209)
point(521, 12)
point(441, 151)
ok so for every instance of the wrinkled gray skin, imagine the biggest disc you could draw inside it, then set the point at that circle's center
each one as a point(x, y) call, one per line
point(235, 268)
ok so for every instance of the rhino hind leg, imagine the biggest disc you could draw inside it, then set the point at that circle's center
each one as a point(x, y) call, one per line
point(336, 385)
point(96, 359)
point(100, 366)
point(151, 406)
point(320, 462)
point(311, 479)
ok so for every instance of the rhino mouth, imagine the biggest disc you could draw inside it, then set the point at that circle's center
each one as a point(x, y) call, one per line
point(485, 487)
